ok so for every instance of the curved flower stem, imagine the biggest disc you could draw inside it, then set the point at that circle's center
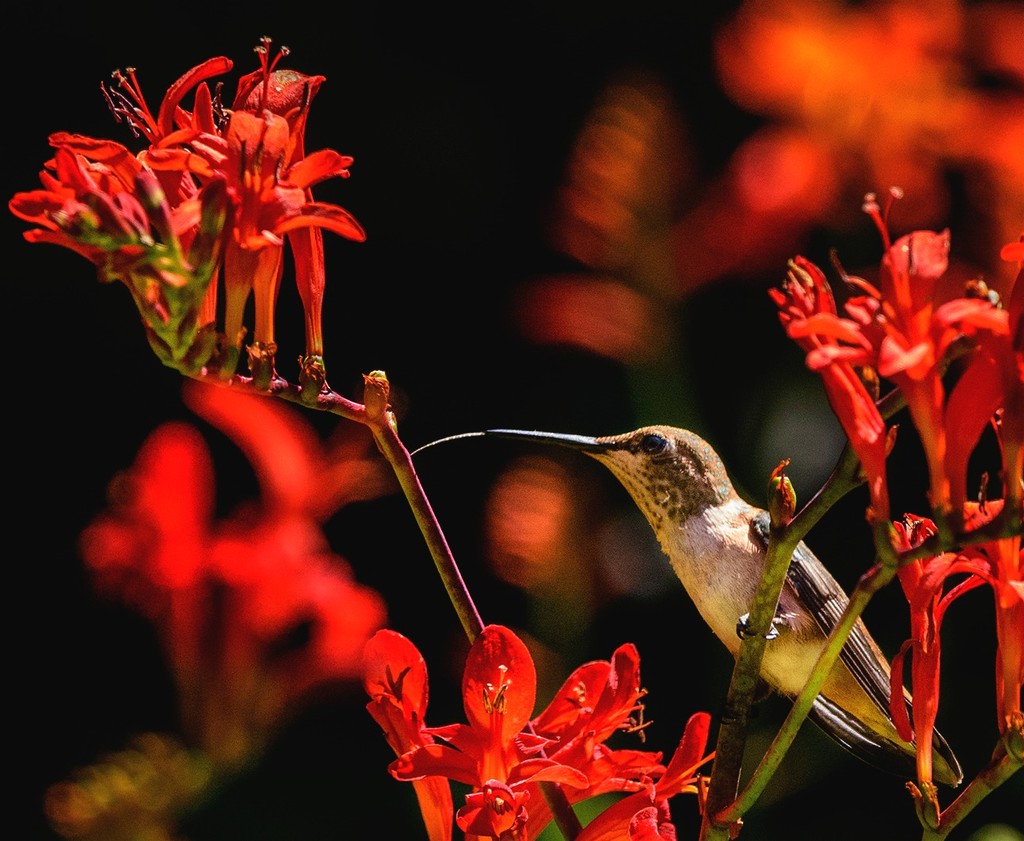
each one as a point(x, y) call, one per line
point(998, 771)
point(385, 434)
point(719, 815)
point(732, 733)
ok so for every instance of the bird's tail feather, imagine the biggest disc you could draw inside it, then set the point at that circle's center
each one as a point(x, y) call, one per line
point(868, 745)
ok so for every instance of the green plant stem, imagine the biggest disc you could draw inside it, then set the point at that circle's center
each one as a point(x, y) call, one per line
point(732, 732)
point(719, 816)
point(871, 582)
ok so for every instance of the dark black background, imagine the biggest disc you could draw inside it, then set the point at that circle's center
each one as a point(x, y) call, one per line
point(460, 120)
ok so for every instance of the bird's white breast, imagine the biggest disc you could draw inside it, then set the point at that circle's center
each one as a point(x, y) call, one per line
point(719, 563)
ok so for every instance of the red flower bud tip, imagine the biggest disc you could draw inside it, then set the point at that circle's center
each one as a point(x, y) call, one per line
point(781, 496)
point(376, 389)
point(1013, 736)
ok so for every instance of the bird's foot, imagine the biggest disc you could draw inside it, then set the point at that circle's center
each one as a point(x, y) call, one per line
point(743, 629)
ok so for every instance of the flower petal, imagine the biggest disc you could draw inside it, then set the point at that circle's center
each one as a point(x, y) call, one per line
point(499, 680)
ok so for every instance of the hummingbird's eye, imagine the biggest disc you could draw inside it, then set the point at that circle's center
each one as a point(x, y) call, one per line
point(654, 444)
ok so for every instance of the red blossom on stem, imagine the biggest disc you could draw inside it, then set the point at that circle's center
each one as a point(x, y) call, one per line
point(213, 198)
point(923, 584)
point(835, 350)
point(395, 678)
point(503, 754)
point(901, 332)
point(910, 333)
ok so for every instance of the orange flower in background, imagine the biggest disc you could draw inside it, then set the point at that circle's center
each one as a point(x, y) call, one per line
point(253, 610)
point(914, 93)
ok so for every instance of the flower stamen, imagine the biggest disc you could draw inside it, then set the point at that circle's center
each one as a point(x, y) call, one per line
point(268, 66)
point(494, 698)
point(128, 105)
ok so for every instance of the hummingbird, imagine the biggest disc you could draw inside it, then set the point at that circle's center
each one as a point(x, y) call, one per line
point(716, 544)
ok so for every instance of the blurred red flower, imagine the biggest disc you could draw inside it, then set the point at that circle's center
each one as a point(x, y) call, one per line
point(254, 609)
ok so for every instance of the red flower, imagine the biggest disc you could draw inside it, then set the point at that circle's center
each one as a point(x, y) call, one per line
point(494, 752)
point(395, 678)
point(900, 332)
point(645, 815)
point(598, 699)
point(270, 199)
point(154, 220)
point(909, 336)
point(835, 348)
point(501, 753)
point(113, 212)
point(998, 563)
point(923, 584)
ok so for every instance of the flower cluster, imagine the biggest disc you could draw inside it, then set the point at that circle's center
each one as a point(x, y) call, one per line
point(212, 199)
point(899, 331)
point(505, 755)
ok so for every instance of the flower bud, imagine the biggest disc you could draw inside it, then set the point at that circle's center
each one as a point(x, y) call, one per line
point(781, 497)
point(312, 378)
point(376, 390)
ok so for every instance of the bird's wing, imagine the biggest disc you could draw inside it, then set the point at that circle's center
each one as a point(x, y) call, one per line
point(814, 587)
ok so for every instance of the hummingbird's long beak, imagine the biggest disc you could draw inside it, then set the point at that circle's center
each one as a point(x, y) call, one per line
point(584, 443)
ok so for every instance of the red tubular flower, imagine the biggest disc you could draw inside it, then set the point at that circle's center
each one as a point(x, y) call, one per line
point(261, 156)
point(1001, 564)
point(289, 94)
point(597, 700)
point(244, 171)
point(170, 129)
point(270, 200)
point(923, 583)
point(495, 748)
point(910, 336)
point(395, 678)
point(835, 347)
point(645, 815)
point(116, 215)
